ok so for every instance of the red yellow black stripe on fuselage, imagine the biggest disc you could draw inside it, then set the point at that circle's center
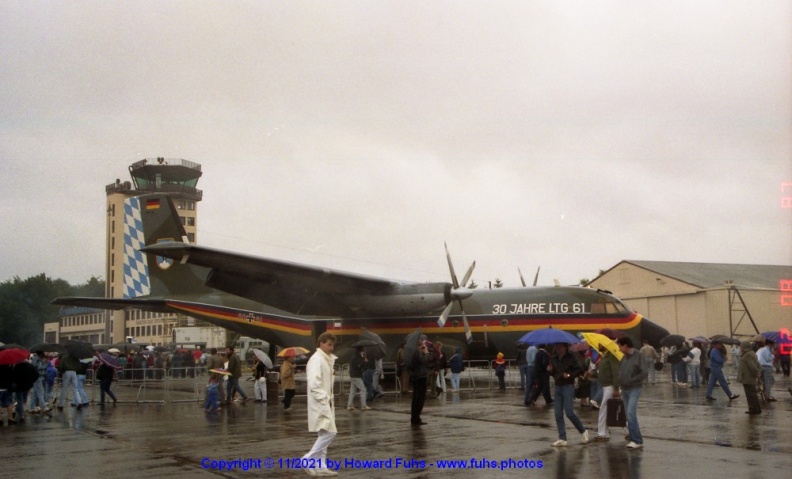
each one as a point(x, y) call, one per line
point(296, 331)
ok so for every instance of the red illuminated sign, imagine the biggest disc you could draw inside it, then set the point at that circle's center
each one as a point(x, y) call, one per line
point(785, 342)
point(786, 195)
point(785, 285)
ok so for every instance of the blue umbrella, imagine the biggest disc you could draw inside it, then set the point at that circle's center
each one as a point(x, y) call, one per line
point(776, 337)
point(549, 336)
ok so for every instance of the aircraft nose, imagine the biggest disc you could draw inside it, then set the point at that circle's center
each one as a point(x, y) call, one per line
point(652, 332)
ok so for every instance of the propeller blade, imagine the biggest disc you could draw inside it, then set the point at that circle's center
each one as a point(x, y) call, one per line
point(451, 267)
point(468, 334)
point(536, 278)
point(468, 274)
point(522, 280)
point(444, 315)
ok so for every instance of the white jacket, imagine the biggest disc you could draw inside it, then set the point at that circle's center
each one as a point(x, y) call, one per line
point(321, 410)
point(694, 357)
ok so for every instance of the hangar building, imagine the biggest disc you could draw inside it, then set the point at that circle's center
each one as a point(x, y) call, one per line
point(704, 299)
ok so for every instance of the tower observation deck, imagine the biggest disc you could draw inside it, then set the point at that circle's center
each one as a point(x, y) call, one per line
point(173, 176)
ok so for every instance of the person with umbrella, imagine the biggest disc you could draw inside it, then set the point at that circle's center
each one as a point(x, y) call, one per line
point(541, 363)
point(357, 366)
point(766, 358)
point(717, 360)
point(632, 373)
point(287, 381)
point(565, 367)
point(260, 377)
point(607, 373)
point(68, 367)
point(108, 364)
point(215, 361)
point(321, 411)
point(422, 361)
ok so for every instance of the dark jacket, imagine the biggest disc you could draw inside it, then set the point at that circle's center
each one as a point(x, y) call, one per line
point(69, 363)
point(24, 375)
point(456, 363)
point(421, 364)
point(632, 371)
point(356, 366)
point(748, 371)
point(568, 364)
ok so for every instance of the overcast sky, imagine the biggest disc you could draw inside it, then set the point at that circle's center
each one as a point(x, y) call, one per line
point(566, 134)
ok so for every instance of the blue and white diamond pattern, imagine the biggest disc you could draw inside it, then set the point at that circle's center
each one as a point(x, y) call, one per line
point(136, 273)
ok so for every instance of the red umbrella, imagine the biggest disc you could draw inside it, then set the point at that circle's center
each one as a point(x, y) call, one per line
point(13, 356)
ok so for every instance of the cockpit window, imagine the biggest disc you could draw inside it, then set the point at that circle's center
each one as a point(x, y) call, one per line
point(608, 307)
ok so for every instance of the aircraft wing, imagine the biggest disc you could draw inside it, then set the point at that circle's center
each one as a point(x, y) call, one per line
point(288, 286)
point(156, 305)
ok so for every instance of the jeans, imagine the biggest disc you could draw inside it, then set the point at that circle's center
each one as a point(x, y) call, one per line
point(529, 380)
point(693, 374)
point(564, 401)
point(69, 382)
point(39, 398)
point(233, 385)
point(104, 387)
point(455, 381)
point(717, 376)
point(79, 391)
point(355, 385)
point(649, 363)
point(767, 377)
point(523, 375)
point(630, 398)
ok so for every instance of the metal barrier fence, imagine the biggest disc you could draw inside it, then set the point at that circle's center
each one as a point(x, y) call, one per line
point(188, 384)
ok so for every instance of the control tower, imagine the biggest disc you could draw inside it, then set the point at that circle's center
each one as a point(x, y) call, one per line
point(176, 177)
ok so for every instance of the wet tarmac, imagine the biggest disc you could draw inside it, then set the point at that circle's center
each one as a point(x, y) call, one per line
point(488, 433)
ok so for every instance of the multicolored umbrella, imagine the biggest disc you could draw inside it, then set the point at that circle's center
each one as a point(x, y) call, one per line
point(293, 351)
point(224, 372)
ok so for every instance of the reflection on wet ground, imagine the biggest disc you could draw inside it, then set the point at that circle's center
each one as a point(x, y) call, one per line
point(486, 433)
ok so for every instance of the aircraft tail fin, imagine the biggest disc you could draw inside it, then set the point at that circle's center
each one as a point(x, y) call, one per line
point(151, 219)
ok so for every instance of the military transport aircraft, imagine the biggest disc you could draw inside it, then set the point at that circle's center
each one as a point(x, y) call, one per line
point(289, 304)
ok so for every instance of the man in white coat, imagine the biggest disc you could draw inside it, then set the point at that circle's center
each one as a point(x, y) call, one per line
point(321, 410)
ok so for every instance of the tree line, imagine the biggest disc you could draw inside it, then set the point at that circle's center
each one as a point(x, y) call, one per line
point(25, 305)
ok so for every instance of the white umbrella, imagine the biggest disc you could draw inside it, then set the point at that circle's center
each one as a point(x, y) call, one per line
point(262, 356)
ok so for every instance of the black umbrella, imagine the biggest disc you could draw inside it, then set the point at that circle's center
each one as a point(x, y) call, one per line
point(672, 340)
point(11, 346)
point(79, 349)
point(364, 343)
point(411, 346)
point(48, 348)
point(375, 351)
point(719, 338)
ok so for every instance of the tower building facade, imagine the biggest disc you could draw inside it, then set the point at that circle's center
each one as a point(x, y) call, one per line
point(178, 178)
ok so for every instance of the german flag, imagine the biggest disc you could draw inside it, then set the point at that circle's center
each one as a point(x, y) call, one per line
point(153, 204)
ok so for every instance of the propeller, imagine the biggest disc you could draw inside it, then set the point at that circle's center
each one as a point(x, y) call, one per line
point(459, 291)
point(536, 277)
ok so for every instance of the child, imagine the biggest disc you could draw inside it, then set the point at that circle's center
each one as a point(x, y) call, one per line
point(500, 371)
point(212, 394)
